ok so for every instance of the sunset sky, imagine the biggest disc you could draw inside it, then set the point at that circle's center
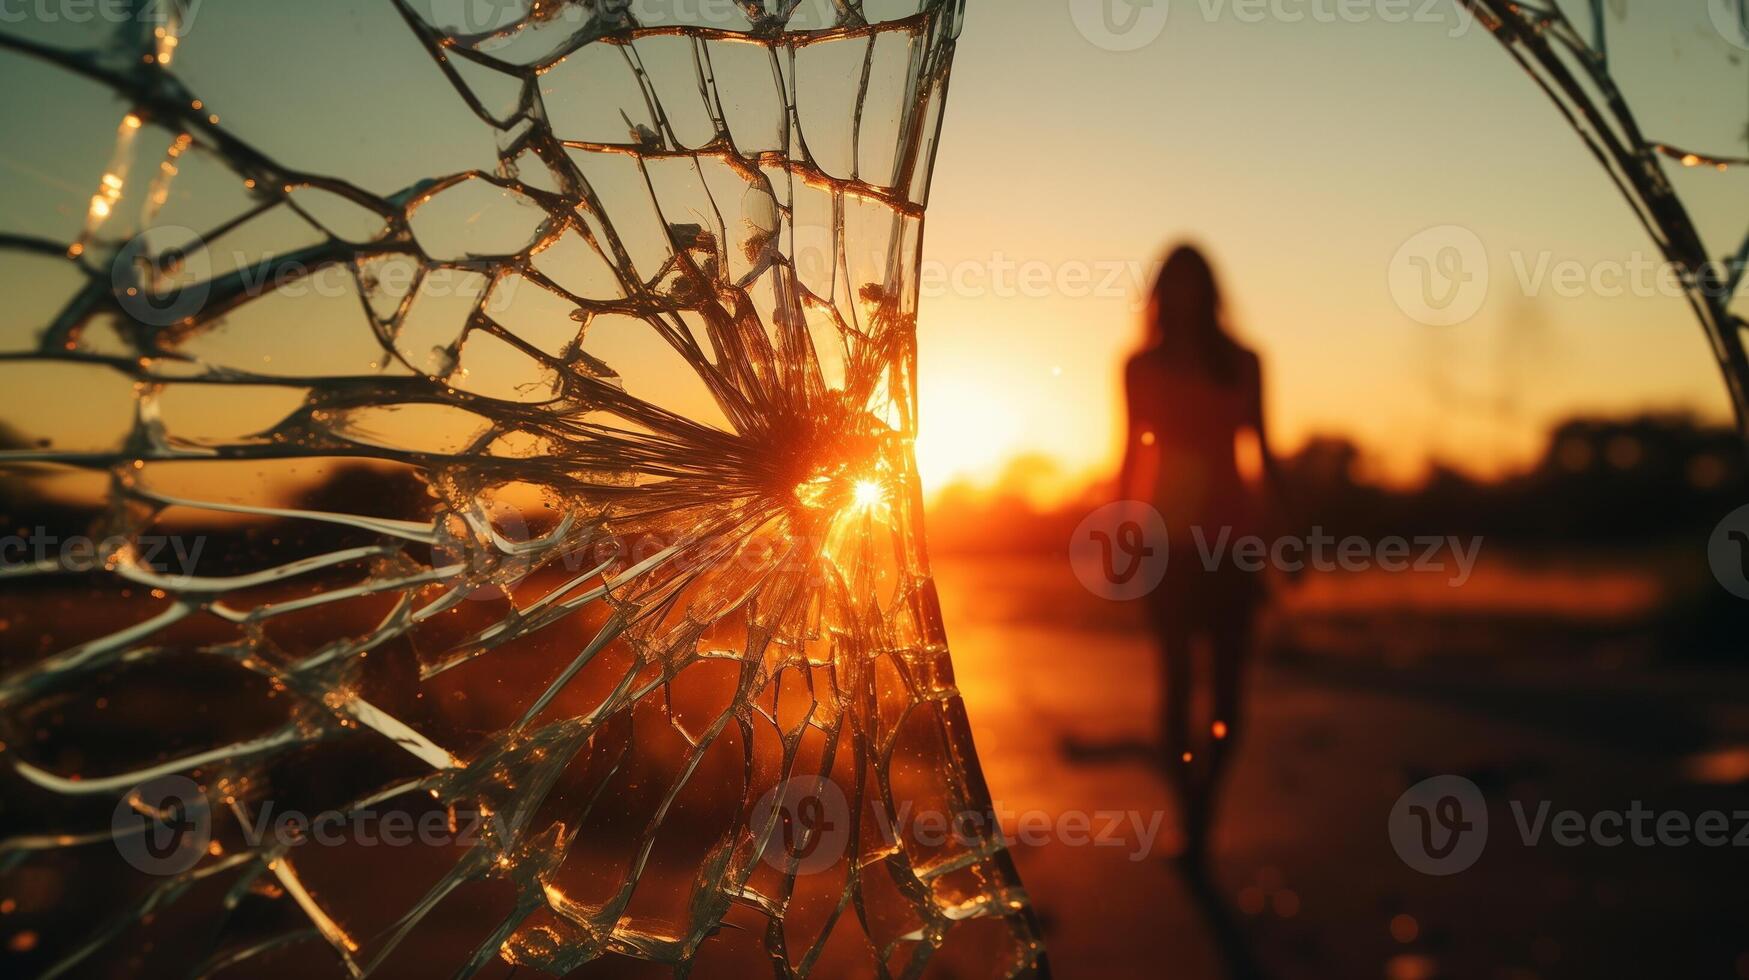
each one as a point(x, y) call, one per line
point(1302, 156)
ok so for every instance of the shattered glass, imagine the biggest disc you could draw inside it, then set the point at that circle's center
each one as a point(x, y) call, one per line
point(498, 414)
point(1660, 95)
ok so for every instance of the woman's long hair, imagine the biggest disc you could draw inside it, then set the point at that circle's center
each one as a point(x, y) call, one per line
point(1186, 326)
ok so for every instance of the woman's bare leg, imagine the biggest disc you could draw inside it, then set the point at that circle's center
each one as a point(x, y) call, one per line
point(1172, 642)
point(1228, 668)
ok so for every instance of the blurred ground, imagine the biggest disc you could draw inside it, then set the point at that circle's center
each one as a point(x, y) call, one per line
point(1358, 701)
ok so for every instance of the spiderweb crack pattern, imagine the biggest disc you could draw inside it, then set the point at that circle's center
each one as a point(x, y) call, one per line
point(565, 498)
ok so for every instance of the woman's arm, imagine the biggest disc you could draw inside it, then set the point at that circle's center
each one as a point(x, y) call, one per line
point(1136, 427)
point(1274, 486)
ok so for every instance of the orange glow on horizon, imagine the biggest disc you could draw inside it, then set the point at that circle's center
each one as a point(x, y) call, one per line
point(967, 429)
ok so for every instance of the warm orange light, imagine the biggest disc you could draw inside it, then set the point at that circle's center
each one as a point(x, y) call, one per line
point(867, 493)
point(1404, 928)
point(826, 491)
point(968, 427)
point(813, 493)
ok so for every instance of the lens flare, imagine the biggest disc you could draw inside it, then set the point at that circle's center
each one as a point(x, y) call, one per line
point(867, 493)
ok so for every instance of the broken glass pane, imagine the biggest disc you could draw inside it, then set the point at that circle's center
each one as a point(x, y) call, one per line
point(486, 425)
point(1675, 142)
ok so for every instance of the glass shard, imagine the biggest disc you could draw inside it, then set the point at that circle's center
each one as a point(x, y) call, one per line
point(1675, 143)
point(486, 425)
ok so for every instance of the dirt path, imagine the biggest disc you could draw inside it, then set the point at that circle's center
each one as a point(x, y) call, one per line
point(1304, 866)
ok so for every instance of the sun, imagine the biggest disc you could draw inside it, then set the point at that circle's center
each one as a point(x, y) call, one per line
point(867, 493)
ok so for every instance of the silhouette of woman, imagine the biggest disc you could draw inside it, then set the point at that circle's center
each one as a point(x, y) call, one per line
point(1195, 397)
